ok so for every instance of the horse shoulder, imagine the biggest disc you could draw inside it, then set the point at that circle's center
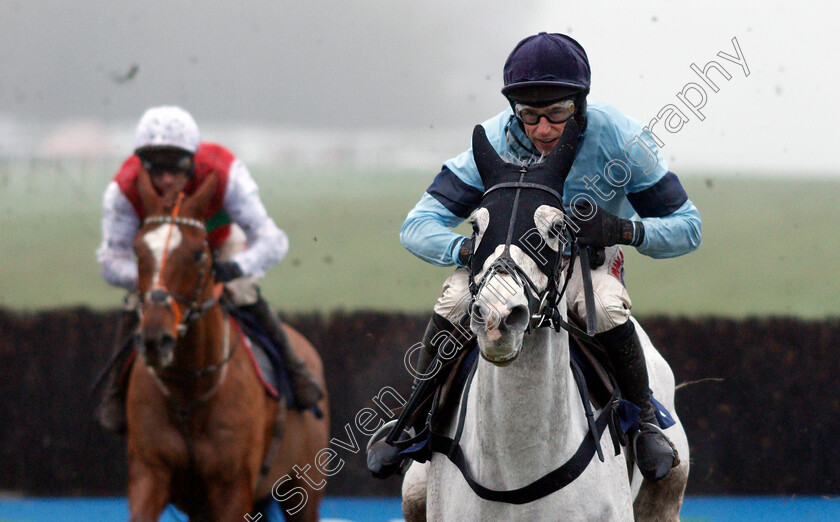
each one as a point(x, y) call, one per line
point(414, 492)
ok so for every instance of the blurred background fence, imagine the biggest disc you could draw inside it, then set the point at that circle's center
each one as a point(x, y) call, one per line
point(763, 420)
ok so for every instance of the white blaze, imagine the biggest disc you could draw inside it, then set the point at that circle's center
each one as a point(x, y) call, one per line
point(156, 241)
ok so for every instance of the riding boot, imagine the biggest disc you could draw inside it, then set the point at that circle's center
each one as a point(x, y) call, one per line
point(306, 390)
point(383, 459)
point(655, 455)
point(110, 413)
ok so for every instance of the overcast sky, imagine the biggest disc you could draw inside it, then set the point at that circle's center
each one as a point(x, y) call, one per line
point(430, 65)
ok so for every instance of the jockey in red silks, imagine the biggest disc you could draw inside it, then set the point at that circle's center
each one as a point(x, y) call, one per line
point(245, 241)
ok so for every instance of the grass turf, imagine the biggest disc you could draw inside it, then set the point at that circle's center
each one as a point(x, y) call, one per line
point(769, 245)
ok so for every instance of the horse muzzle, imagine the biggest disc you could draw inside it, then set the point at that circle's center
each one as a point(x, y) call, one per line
point(157, 345)
point(499, 334)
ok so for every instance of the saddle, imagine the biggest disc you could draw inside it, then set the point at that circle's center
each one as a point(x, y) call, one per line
point(268, 363)
point(273, 382)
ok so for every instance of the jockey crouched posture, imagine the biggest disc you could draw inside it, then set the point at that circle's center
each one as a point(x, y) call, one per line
point(619, 191)
point(245, 241)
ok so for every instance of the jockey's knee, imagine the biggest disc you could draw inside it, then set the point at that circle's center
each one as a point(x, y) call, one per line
point(611, 308)
point(612, 302)
point(454, 301)
point(243, 291)
point(607, 316)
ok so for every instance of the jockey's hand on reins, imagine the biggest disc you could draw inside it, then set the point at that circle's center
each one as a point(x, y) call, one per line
point(595, 227)
point(597, 257)
point(465, 253)
point(226, 271)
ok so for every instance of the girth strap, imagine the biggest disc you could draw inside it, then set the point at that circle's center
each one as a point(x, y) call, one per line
point(544, 486)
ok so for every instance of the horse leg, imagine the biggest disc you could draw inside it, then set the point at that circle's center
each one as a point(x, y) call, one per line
point(662, 500)
point(414, 493)
point(148, 490)
point(305, 504)
point(230, 501)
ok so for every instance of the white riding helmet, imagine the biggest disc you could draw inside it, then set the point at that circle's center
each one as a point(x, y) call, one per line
point(167, 126)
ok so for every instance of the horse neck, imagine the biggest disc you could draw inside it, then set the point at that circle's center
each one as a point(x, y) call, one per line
point(514, 410)
point(537, 381)
point(201, 347)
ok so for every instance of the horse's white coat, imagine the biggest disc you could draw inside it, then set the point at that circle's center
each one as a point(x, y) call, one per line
point(526, 419)
point(156, 241)
point(437, 489)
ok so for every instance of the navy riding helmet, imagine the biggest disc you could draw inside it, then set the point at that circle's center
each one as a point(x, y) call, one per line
point(545, 68)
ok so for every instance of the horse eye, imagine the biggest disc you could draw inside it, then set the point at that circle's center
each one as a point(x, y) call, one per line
point(474, 226)
point(199, 256)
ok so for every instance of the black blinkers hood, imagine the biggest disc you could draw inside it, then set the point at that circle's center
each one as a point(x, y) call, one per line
point(513, 193)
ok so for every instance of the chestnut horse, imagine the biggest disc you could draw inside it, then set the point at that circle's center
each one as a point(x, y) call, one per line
point(200, 423)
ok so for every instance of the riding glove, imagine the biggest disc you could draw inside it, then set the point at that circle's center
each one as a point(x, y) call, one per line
point(226, 271)
point(465, 252)
point(597, 257)
point(596, 227)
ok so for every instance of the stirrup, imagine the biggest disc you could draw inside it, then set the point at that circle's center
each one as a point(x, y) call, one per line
point(648, 427)
point(382, 433)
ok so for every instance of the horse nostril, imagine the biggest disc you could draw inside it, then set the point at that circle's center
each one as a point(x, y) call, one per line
point(477, 313)
point(167, 342)
point(156, 343)
point(518, 318)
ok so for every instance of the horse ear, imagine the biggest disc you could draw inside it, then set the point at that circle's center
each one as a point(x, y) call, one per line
point(151, 200)
point(486, 158)
point(195, 205)
point(563, 155)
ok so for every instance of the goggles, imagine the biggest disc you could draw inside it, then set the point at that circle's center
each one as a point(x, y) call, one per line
point(158, 162)
point(555, 113)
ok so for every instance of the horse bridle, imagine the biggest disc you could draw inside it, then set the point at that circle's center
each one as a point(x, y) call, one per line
point(539, 302)
point(160, 295)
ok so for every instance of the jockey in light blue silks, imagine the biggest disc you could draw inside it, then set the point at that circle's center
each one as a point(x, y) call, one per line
point(619, 191)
